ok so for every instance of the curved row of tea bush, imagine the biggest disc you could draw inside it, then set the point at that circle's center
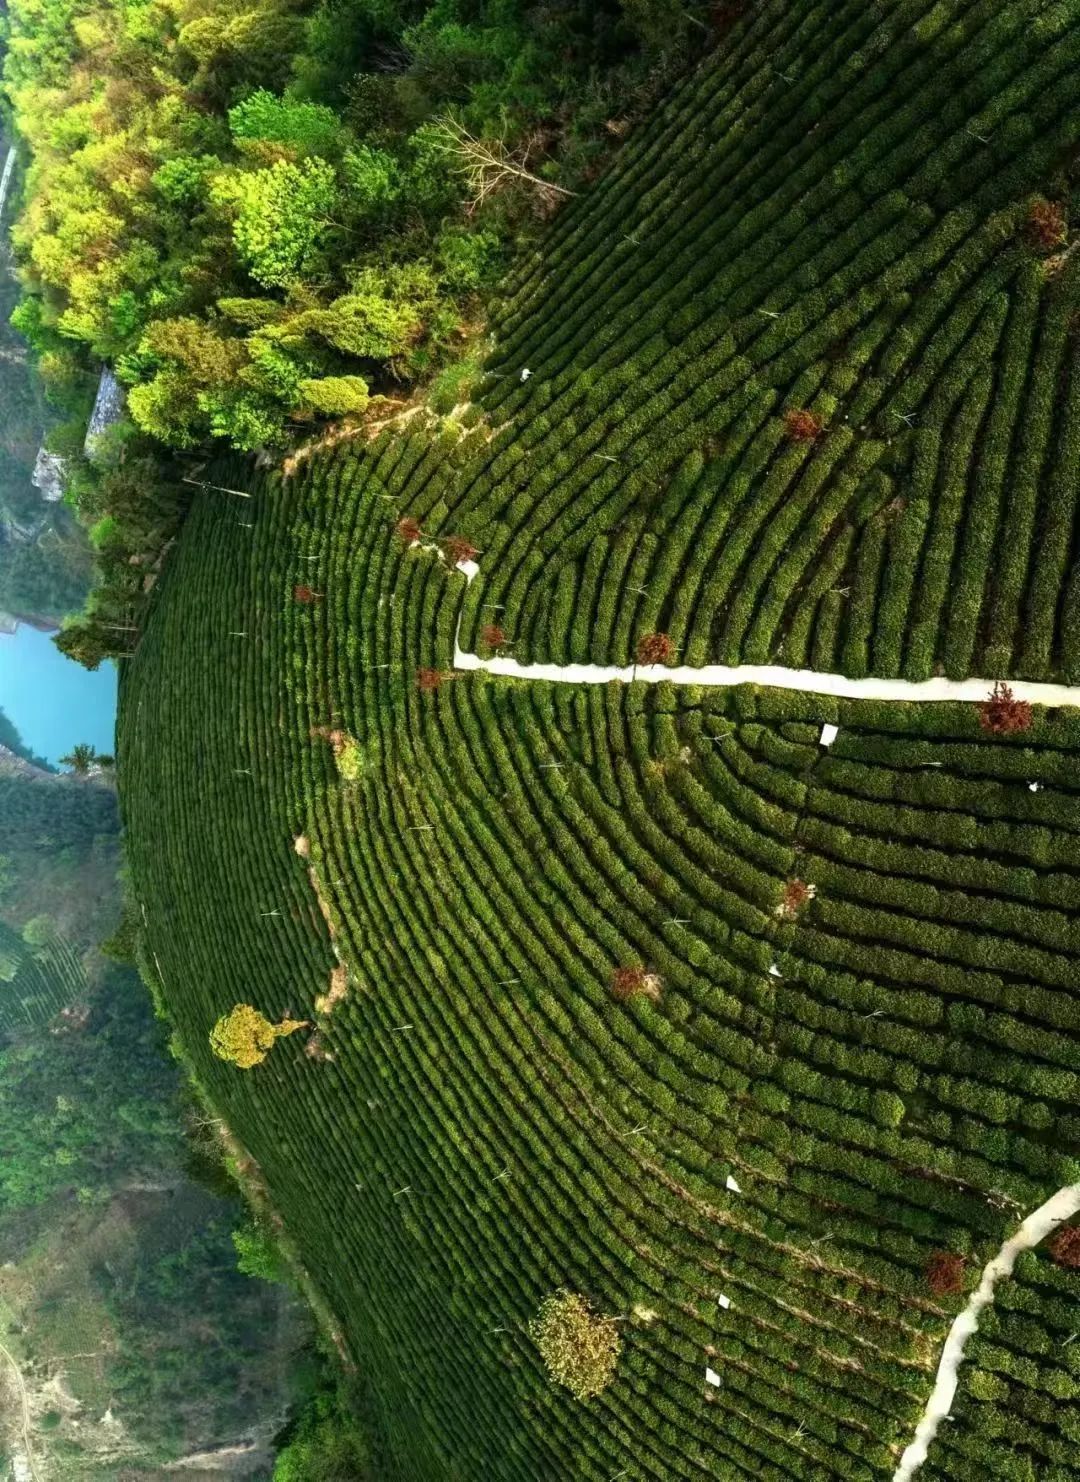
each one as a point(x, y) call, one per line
point(890, 1076)
point(1016, 1415)
point(852, 1065)
point(38, 977)
point(840, 217)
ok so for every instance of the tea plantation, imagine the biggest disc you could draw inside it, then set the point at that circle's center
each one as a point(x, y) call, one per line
point(36, 983)
point(855, 211)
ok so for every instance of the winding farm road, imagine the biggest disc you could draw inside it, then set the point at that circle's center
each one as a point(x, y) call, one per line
point(25, 1404)
point(1038, 1225)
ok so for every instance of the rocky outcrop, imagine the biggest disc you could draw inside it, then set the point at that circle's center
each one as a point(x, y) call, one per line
point(108, 409)
point(12, 763)
point(48, 475)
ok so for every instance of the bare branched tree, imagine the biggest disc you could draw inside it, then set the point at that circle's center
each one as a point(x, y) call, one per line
point(489, 164)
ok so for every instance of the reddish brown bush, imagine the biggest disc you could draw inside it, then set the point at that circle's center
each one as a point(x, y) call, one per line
point(724, 14)
point(1065, 1246)
point(409, 529)
point(802, 426)
point(634, 982)
point(1002, 713)
point(430, 679)
point(945, 1273)
point(457, 549)
point(1044, 225)
point(797, 894)
point(654, 648)
point(305, 595)
point(492, 635)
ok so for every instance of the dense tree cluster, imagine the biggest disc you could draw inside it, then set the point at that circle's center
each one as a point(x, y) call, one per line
point(76, 1105)
point(327, 1439)
point(49, 816)
point(261, 213)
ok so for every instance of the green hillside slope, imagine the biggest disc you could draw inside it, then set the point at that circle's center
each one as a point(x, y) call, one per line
point(807, 1109)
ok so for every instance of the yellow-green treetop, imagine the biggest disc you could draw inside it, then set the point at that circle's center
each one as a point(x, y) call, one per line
point(245, 1037)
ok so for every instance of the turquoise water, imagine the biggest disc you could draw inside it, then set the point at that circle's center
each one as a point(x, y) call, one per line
point(54, 702)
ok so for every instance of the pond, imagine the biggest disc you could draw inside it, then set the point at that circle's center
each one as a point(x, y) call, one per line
point(54, 702)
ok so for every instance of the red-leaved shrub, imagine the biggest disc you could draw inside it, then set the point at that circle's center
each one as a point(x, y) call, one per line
point(634, 982)
point(945, 1273)
point(409, 529)
point(654, 648)
point(457, 549)
point(1044, 225)
point(796, 895)
point(1002, 713)
point(492, 635)
point(1065, 1246)
point(802, 426)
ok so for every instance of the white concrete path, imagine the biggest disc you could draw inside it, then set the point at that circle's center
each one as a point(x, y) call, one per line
point(724, 676)
point(1038, 1225)
point(811, 681)
point(5, 178)
point(1066, 1202)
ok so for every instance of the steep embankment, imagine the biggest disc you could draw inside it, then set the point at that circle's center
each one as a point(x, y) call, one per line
point(828, 1106)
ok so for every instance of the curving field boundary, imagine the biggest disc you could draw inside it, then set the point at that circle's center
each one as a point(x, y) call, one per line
point(24, 1407)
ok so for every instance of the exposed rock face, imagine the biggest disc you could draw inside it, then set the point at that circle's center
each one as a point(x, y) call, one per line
point(108, 408)
point(48, 475)
point(11, 762)
point(14, 531)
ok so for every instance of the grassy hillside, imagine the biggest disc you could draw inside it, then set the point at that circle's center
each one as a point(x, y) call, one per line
point(844, 213)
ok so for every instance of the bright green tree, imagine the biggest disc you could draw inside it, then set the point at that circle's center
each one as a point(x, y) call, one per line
point(306, 128)
point(283, 215)
point(258, 1254)
point(80, 759)
point(335, 395)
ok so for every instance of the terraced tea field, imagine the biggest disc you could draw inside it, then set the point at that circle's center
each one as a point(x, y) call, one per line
point(810, 1112)
point(36, 983)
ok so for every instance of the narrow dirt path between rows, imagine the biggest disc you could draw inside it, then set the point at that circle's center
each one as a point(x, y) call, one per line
point(24, 1401)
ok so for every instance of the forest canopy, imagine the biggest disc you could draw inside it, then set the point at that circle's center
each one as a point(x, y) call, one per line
point(262, 212)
